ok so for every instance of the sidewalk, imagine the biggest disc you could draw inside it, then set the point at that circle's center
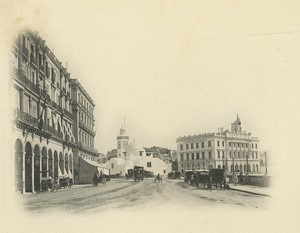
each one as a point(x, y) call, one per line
point(251, 189)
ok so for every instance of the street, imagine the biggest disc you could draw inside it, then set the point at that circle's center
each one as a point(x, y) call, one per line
point(127, 194)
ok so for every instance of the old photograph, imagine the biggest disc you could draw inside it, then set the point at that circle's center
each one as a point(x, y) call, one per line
point(150, 116)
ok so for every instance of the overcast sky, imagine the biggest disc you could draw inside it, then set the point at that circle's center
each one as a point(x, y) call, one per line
point(175, 68)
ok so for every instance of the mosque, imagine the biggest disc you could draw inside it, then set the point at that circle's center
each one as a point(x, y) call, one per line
point(133, 154)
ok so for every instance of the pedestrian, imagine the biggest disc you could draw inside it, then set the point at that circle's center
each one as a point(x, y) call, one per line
point(95, 179)
point(192, 179)
point(226, 180)
point(241, 178)
point(234, 178)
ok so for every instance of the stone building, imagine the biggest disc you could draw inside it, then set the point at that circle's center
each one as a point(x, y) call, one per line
point(234, 150)
point(84, 132)
point(43, 119)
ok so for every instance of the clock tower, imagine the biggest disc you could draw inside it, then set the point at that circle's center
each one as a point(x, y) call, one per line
point(122, 141)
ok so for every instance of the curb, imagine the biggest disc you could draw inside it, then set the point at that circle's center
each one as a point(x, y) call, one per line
point(254, 193)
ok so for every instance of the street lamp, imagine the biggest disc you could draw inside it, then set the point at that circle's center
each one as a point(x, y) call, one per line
point(247, 163)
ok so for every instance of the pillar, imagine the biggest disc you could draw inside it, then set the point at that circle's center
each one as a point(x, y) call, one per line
point(23, 172)
point(32, 173)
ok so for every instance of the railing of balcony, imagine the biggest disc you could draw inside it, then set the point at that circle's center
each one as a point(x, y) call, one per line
point(86, 128)
point(25, 118)
point(87, 147)
point(69, 114)
point(33, 58)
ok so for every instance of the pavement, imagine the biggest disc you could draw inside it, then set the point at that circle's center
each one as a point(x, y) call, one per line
point(251, 189)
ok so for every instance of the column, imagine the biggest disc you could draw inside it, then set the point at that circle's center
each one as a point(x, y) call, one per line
point(23, 171)
point(32, 173)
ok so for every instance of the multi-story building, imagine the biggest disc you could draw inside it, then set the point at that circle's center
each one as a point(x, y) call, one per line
point(234, 150)
point(43, 119)
point(84, 132)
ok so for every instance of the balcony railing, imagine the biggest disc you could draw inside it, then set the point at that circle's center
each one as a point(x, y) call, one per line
point(86, 147)
point(49, 129)
point(22, 77)
point(69, 114)
point(86, 128)
point(25, 118)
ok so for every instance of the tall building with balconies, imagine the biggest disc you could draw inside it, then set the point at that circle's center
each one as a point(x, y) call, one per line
point(234, 150)
point(43, 119)
point(84, 129)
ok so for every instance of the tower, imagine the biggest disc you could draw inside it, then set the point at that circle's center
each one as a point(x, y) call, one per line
point(237, 125)
point(122, 141)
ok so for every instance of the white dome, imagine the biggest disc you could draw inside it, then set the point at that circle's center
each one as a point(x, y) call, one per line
point(134, 150)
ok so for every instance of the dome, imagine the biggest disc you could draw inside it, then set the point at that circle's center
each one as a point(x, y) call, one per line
point(135, 149)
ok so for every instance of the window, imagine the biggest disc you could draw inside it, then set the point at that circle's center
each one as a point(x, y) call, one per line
point(246, 145)
point(238, 154)
point(187, 156)
point(218, 154)
point(192, 146)
point(255, 146)
point(252, 146)
point(230, 154)
point(193, 156)
point(218, 143)
point(229, 144)
point(203, 155)
point(148, 164)
point(112, 166)
point(242, 145)
point(238, 144)
point(197, 145)
point(209, 155)
point(181, 157)
point(202, 144)
point(34, 109)
point(223, 144)
point(209, 143)
point(187, 146)
point(256, 155)
point(197, 156)
point(17, 99)
point(26, 104)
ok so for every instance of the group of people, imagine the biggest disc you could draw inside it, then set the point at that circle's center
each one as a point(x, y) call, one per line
point(98, 177)
point(238, 178)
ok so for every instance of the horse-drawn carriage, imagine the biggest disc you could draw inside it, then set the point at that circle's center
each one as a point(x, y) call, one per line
point(46, 184)
point(174, 175)
point(216, 178)
point(138, 173)
point(201, 178)
point(65, 182)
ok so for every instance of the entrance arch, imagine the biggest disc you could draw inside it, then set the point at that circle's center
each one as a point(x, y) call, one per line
point(37, 174)
point(18, 166)
point(28, 167)
point(55, 164)
point(50, 163)
point(71, 163)
point(44, 162)
point(67, 163)
point(61, 163)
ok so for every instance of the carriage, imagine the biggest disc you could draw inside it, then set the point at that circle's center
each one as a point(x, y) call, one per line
point(174, 175)
point(65, 182)
point(216, 178)
point(138, 173)
point(46, 184)
point(202, 178)
point(189, 175)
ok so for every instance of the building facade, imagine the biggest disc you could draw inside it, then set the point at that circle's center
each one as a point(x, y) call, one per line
point(43, 120)
point(234, 150)
point(84, 129)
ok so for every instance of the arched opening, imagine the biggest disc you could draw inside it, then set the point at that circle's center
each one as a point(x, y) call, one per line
point(231, 168)
point(61, 163)
point(245, 168)
point(219, 166)
point(257, 167)
point(55, 164)
point(44, 162)
point(253, 168)
point(18, 166)
point(211, 167)
point(71, 163)
point(67, 163)
point(28, 167)
point(241, 168)
point(249, 168)
point(236, 167)
point(50, 163)
point(37, 169)
point(223, 167)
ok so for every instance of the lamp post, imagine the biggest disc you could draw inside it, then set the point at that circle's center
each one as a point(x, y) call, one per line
point(223, 163)
point(233, 165)
point(247, 164)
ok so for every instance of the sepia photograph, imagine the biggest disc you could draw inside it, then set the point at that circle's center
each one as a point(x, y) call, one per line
point(150, 116)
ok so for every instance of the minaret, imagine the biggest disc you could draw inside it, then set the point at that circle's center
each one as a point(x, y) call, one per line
point(122, 141)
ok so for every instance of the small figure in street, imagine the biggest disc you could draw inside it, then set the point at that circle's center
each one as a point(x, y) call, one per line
point(192, 179)
point(241, 178)
point(226, 180)
point(95, 179)
point(234, 178)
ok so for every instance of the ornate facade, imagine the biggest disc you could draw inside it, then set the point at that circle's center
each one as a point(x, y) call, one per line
point(43, 118)
point(234, 150)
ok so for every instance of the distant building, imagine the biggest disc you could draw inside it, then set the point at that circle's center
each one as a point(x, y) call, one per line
point(232, 150)
point(84, 130)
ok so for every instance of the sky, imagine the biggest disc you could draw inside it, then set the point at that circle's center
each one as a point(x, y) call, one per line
point(175, 68)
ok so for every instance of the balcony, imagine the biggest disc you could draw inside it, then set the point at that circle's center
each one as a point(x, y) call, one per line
point(59, 108)
point(49, 129)
point(68, 114)
point(25, 118)
point(87, 129)
point(86, 147)
point(22, 77)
